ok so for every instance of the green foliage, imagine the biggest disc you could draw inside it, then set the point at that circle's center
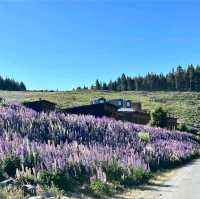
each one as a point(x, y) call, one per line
point(144, 136)
point(113, 172)
point(55, 191)
point(2, 173)
point(136, 177)
point(197, 137)
point(159, 118)
point(11, 85)
point(179, 79)
point(182, 127)
point(26, 180)
point(98, 85)
point(11, 193)
point(187, 128)
point(10, 165)
point(61, 180)
point(80, 174)
point(99, 188)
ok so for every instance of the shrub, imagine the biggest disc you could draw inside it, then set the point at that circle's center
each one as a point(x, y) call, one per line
point(197, 137)
point(2, 173)
point(136, 177)
point(113, 172)
point(144, 136)
point(182, 127)
point(56, 192)
point(60, 179)
point(80, 173)
point(12, 193)
point(99, 188)
point(159, 117)
point(10, 165)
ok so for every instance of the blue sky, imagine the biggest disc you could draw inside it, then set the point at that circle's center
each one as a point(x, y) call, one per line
point(64, 44)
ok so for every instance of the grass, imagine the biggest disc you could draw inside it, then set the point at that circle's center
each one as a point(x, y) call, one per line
point(183, 105)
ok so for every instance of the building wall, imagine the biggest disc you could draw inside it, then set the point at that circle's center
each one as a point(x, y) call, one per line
point(135, 117)
point(116, 102)
point(40, 106)
point(137, 106)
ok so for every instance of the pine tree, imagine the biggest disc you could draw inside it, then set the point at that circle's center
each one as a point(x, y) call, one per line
point(98, 85)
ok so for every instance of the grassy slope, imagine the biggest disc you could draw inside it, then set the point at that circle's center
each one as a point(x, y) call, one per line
point(184, 105)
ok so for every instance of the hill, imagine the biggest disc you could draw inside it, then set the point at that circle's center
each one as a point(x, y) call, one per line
point(83, 153)
point(184, 105)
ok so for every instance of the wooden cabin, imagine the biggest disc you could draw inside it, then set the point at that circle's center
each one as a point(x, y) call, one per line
point(41, 105)
point(117, 102)
point(98, 110)
point(99, 100)
point(137, 117)
point(137, 106)
point(125, 110)
point(121, 103)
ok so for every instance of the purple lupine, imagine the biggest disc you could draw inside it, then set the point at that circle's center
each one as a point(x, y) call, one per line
point(57, 141)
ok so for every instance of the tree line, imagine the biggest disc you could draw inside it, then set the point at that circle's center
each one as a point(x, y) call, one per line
point(11, 85)
point(178, 79)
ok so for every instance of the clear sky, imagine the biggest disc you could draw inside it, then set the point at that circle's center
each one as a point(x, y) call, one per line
point(64, 44)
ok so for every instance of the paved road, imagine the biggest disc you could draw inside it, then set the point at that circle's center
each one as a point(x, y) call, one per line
point(184, 185)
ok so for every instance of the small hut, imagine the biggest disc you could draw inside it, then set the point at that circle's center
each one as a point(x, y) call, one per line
point(138, 117)
point(41, 105)
point(99, 100)
point(98, 110)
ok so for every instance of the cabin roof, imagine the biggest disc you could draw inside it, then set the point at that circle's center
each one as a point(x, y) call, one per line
point(91, 105)
point(115, 99)
point(98, 98)
point(39, 101)
point(98, 110)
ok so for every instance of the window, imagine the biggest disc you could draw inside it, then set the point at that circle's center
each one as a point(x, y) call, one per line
point(119, 103)
point(128, 104)
point(101, 101)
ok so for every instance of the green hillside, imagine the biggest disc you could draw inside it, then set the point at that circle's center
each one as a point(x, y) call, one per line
point(184, 105)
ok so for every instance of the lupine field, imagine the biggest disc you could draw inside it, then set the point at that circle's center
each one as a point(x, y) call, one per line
point(76, 150)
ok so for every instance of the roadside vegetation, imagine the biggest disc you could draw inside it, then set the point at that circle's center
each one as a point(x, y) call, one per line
point(63, 154)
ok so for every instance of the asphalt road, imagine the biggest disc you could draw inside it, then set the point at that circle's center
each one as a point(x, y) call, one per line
point(185, 184)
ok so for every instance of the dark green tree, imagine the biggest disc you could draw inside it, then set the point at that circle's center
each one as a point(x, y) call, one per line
point(98, 85)
point(159, 118)
point(123, 82)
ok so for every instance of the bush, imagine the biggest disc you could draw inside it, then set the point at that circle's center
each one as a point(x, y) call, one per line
point(56, 192)
point(99, 188)
point(10, 165)
point(136, 177)
point(197, 137)
point(12, 193)
point(113, 172)
point(144, 136)
point(80, 174)
point(159, 118)
point(2, 173)
point(182, 127)
point(60, 179)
